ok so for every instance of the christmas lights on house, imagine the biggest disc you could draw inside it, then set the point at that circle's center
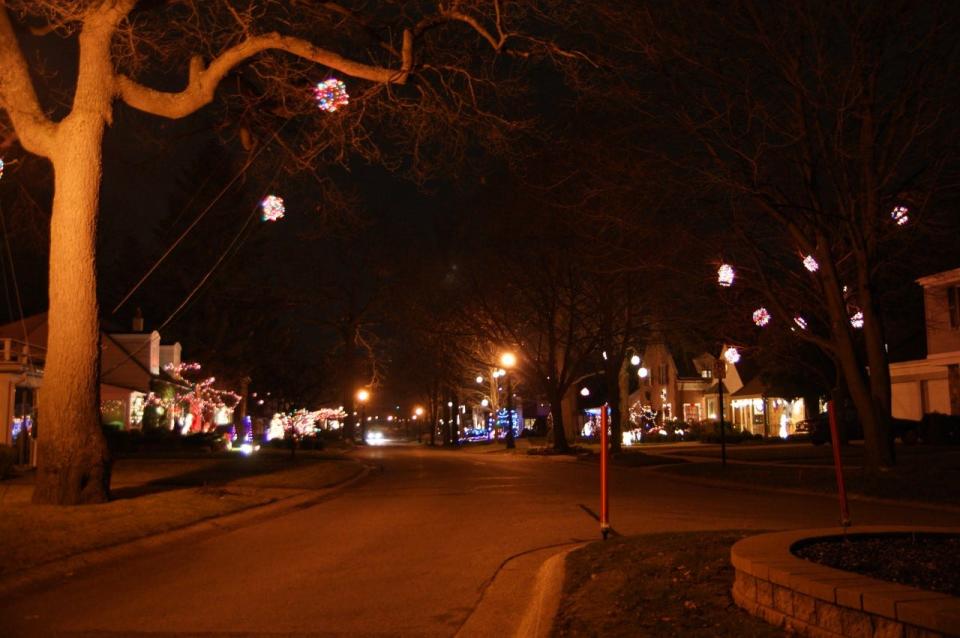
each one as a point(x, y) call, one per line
point(801, 322)
point(331, 95)
point(725, 275)
point(273, 208)
point(761, 317)
point(810, 263)
point(857, 320)
point(1, 169)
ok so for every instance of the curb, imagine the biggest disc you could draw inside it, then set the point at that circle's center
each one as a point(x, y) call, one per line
point(530, 583)
point(240, 518)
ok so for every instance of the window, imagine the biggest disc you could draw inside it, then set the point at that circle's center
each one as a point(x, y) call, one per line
point(662, 374)
point(953, 305)
point(706, 373)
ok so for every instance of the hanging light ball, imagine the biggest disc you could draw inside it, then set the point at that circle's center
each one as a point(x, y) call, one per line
point(273, 208)
point(731, 355)
point(761, 317)
point(899, 214)
point(810, 263)
point(857, 320)
point(331, 95)
point(725, 275)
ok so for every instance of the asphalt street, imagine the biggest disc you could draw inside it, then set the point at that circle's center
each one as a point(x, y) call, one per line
point(408, 551)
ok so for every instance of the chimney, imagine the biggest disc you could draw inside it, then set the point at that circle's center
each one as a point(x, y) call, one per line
point(138, 321)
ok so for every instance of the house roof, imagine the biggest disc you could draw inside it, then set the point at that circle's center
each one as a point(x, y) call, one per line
point(756, 387)
point(35, 327)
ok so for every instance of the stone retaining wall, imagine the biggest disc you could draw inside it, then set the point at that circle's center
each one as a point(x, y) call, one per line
point(819, 601)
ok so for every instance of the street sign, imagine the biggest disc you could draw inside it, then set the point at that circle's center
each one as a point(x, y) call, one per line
point(719, 369)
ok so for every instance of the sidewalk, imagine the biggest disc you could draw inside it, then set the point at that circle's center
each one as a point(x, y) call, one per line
point(157, 501)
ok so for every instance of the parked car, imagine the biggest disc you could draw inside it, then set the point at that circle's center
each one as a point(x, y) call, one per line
point(819, 428)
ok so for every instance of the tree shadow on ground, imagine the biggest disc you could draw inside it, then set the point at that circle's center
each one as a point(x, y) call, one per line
point(219, 472)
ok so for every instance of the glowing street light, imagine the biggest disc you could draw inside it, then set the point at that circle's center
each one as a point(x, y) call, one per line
point(363, 395)
point(417, 413)
point(508, 360)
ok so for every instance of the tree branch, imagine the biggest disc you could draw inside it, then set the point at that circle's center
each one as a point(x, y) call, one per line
point(203, 81)
point(18, 97)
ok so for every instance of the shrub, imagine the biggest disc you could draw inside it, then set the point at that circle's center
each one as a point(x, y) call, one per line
point(940, 428)
point(8, 457)
point(121, 441)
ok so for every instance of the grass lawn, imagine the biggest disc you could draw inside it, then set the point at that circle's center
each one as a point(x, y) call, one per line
point(921, 475)
point(675, 584)
point(152, 496)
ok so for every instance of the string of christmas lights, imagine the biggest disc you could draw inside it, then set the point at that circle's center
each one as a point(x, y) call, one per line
point(761, 317)
point(273, 208)
point(331, 95)
point(725, 275)
point(732, 355)
point(899, 215)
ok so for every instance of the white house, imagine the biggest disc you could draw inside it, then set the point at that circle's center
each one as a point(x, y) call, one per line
point(924, 386)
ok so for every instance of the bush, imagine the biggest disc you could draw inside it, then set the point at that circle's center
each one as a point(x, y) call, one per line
point(8, 457)
point(121, 441)
point(940, 428)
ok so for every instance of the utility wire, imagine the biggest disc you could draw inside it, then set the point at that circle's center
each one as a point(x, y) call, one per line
point(213, 269)
point(196, 221)
point(16, 286)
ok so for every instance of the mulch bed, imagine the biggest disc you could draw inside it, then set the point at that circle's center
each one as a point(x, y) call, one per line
point(926, 561)
point(655, 586)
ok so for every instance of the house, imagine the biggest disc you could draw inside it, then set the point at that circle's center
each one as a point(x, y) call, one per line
point(753, 409)
point(676, 385)
point(131, 368)
point(925, 386)
point(679, 386)
point(22, 355)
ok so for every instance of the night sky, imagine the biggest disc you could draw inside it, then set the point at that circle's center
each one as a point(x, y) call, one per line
point(597, 155)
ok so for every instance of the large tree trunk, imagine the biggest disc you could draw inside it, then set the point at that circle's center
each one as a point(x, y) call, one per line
point(559, 432)
point(869, 401)
point(73, 462)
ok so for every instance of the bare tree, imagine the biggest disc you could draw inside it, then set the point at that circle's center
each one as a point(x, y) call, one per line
point(817, 121)
point(264, 53)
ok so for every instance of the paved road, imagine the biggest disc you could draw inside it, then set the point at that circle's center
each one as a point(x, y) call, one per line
point(407, 552)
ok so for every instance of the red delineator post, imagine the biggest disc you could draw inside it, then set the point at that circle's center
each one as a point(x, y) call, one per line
point(604, 501)
point(838, 466)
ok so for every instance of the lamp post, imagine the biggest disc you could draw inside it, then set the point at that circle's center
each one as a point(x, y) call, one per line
point(417, 414)
point(508, 360)
point(363, 396)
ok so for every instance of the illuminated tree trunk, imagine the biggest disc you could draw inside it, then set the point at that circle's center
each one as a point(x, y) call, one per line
point(560, 410)
point(73, 464)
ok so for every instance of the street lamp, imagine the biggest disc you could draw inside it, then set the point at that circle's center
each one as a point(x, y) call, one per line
point(417, 413)
point(508, 360)
point(363, 396)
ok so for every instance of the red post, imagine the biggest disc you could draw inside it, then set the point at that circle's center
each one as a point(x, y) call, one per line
point(604, 500)
point(838, 466)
